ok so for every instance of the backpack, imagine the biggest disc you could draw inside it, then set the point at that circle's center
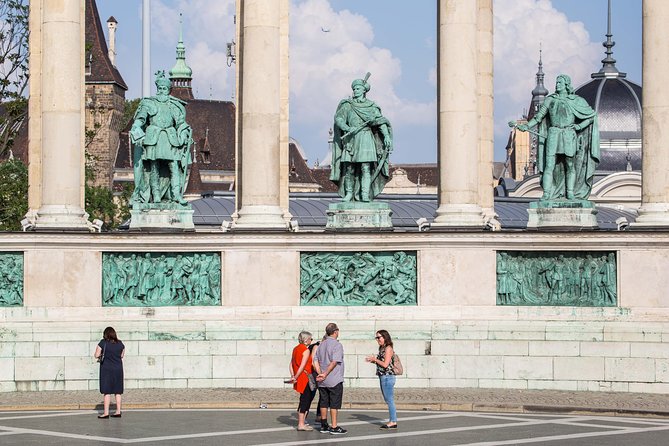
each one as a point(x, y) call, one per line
point(398, 369)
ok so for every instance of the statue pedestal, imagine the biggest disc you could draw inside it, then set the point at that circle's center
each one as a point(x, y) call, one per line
point(356, 215)
point(566, 215)
point(161, 217)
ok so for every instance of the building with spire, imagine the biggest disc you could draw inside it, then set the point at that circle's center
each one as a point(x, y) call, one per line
point(181, 74)
point(104, 102)
point(522, 146)
point(104, 99)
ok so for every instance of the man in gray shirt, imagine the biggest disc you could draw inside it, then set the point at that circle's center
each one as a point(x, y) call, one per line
point(329, 365)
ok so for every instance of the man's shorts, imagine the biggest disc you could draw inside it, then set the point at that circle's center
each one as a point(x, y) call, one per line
point(331, 396)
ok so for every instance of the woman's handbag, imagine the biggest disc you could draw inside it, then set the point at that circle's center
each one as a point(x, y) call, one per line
point(101, 358)
point(398, 369)
point(312, 381)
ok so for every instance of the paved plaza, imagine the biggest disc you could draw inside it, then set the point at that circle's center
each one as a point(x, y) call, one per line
point(428, 417)
point(275, 427)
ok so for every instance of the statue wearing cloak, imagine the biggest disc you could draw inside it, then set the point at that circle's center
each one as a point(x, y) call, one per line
point(568, 151)
point(362, 143)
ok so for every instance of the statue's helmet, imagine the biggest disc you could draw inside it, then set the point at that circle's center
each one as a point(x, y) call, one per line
point(362, 82)
point(161, 80)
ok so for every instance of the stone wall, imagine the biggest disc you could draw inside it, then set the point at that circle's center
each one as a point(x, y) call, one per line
point(104, 116)
point(455, 337)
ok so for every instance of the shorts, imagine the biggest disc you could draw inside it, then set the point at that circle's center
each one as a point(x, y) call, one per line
point(331, 397)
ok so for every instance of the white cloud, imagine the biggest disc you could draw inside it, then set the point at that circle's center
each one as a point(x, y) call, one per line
point(208, 27)
point(323, 65)
point(521, 26)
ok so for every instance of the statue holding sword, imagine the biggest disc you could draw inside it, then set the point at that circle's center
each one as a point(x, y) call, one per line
point(568, 138)
point(362, 144)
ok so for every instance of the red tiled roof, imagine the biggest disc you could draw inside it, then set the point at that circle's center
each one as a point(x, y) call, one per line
point(101, 69)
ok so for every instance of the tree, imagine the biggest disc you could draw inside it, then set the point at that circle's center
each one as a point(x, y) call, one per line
point(13, 69)
point(13, 194)
point(129, 109)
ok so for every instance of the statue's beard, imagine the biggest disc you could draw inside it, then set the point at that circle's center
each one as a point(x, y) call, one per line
point(162, 97)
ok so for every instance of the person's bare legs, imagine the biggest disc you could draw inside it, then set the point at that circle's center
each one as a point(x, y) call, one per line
point(333, 415)
point(300, 419)
point(324, 414)
point(107, 400)
point(118, 404)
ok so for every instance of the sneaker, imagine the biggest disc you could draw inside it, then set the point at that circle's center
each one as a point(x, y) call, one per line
point(385, 426)
point(324, 429)
point(338, 430)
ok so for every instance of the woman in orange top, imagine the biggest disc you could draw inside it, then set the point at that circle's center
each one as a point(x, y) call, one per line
point(300, 370)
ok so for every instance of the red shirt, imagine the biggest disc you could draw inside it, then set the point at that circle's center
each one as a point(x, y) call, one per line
point(295, 362)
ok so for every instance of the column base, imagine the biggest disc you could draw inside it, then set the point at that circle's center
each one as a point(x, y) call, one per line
point(565, 215)
point(259, 217)
point(355, 215)
point(652, 216)
point(157, 217)
point(458, 216)
point(61, 218)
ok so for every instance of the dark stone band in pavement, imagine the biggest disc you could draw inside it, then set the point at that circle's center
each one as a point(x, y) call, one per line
point(456, 399)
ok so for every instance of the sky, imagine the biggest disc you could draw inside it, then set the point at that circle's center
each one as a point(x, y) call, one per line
point(333, 42)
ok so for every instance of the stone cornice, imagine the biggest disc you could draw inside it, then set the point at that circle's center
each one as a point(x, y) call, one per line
point(336, 242)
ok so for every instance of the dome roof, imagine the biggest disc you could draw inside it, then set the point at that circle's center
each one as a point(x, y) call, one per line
point(618, 105)
point(617, 102)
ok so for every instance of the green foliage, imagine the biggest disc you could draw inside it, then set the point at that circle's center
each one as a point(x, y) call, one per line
point(123, 202)
point(13, 194)
point(130, 109)
point(13, 69)
point(100, 204)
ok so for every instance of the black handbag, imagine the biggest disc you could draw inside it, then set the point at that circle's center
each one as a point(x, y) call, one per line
point(312, 381)
point(101, 358)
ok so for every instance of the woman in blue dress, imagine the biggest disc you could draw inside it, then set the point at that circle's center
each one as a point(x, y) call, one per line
point(109, 352)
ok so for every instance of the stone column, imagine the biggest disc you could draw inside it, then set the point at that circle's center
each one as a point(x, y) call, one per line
point(458, 121)
point(654, 211)
point(486, 124)
point(258, 197)
point(35, 111)
point(284, 140)
point(61, 114)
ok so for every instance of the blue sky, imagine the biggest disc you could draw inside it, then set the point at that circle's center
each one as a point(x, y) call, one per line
point(395, 40)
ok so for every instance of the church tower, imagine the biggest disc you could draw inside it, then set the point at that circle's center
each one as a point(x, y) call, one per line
point(181, 74)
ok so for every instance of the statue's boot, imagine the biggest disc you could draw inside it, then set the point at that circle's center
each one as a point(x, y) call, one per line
point(154, 183)
point(547, 185)
point(155, 190)
point(365, 184)
point(175, 184)
point(348, 187)
point(571, 182)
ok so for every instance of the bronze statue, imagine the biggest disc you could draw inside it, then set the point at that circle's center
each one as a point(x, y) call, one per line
point(568, 151)
point(362, 144)
point(162, 140)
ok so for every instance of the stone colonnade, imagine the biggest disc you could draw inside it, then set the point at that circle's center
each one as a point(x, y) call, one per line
point(464, 107)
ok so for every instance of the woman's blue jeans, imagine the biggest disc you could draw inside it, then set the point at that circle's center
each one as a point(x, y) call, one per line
point(388, 390)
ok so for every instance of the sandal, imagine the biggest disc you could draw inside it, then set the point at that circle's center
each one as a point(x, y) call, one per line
point(305, 428)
